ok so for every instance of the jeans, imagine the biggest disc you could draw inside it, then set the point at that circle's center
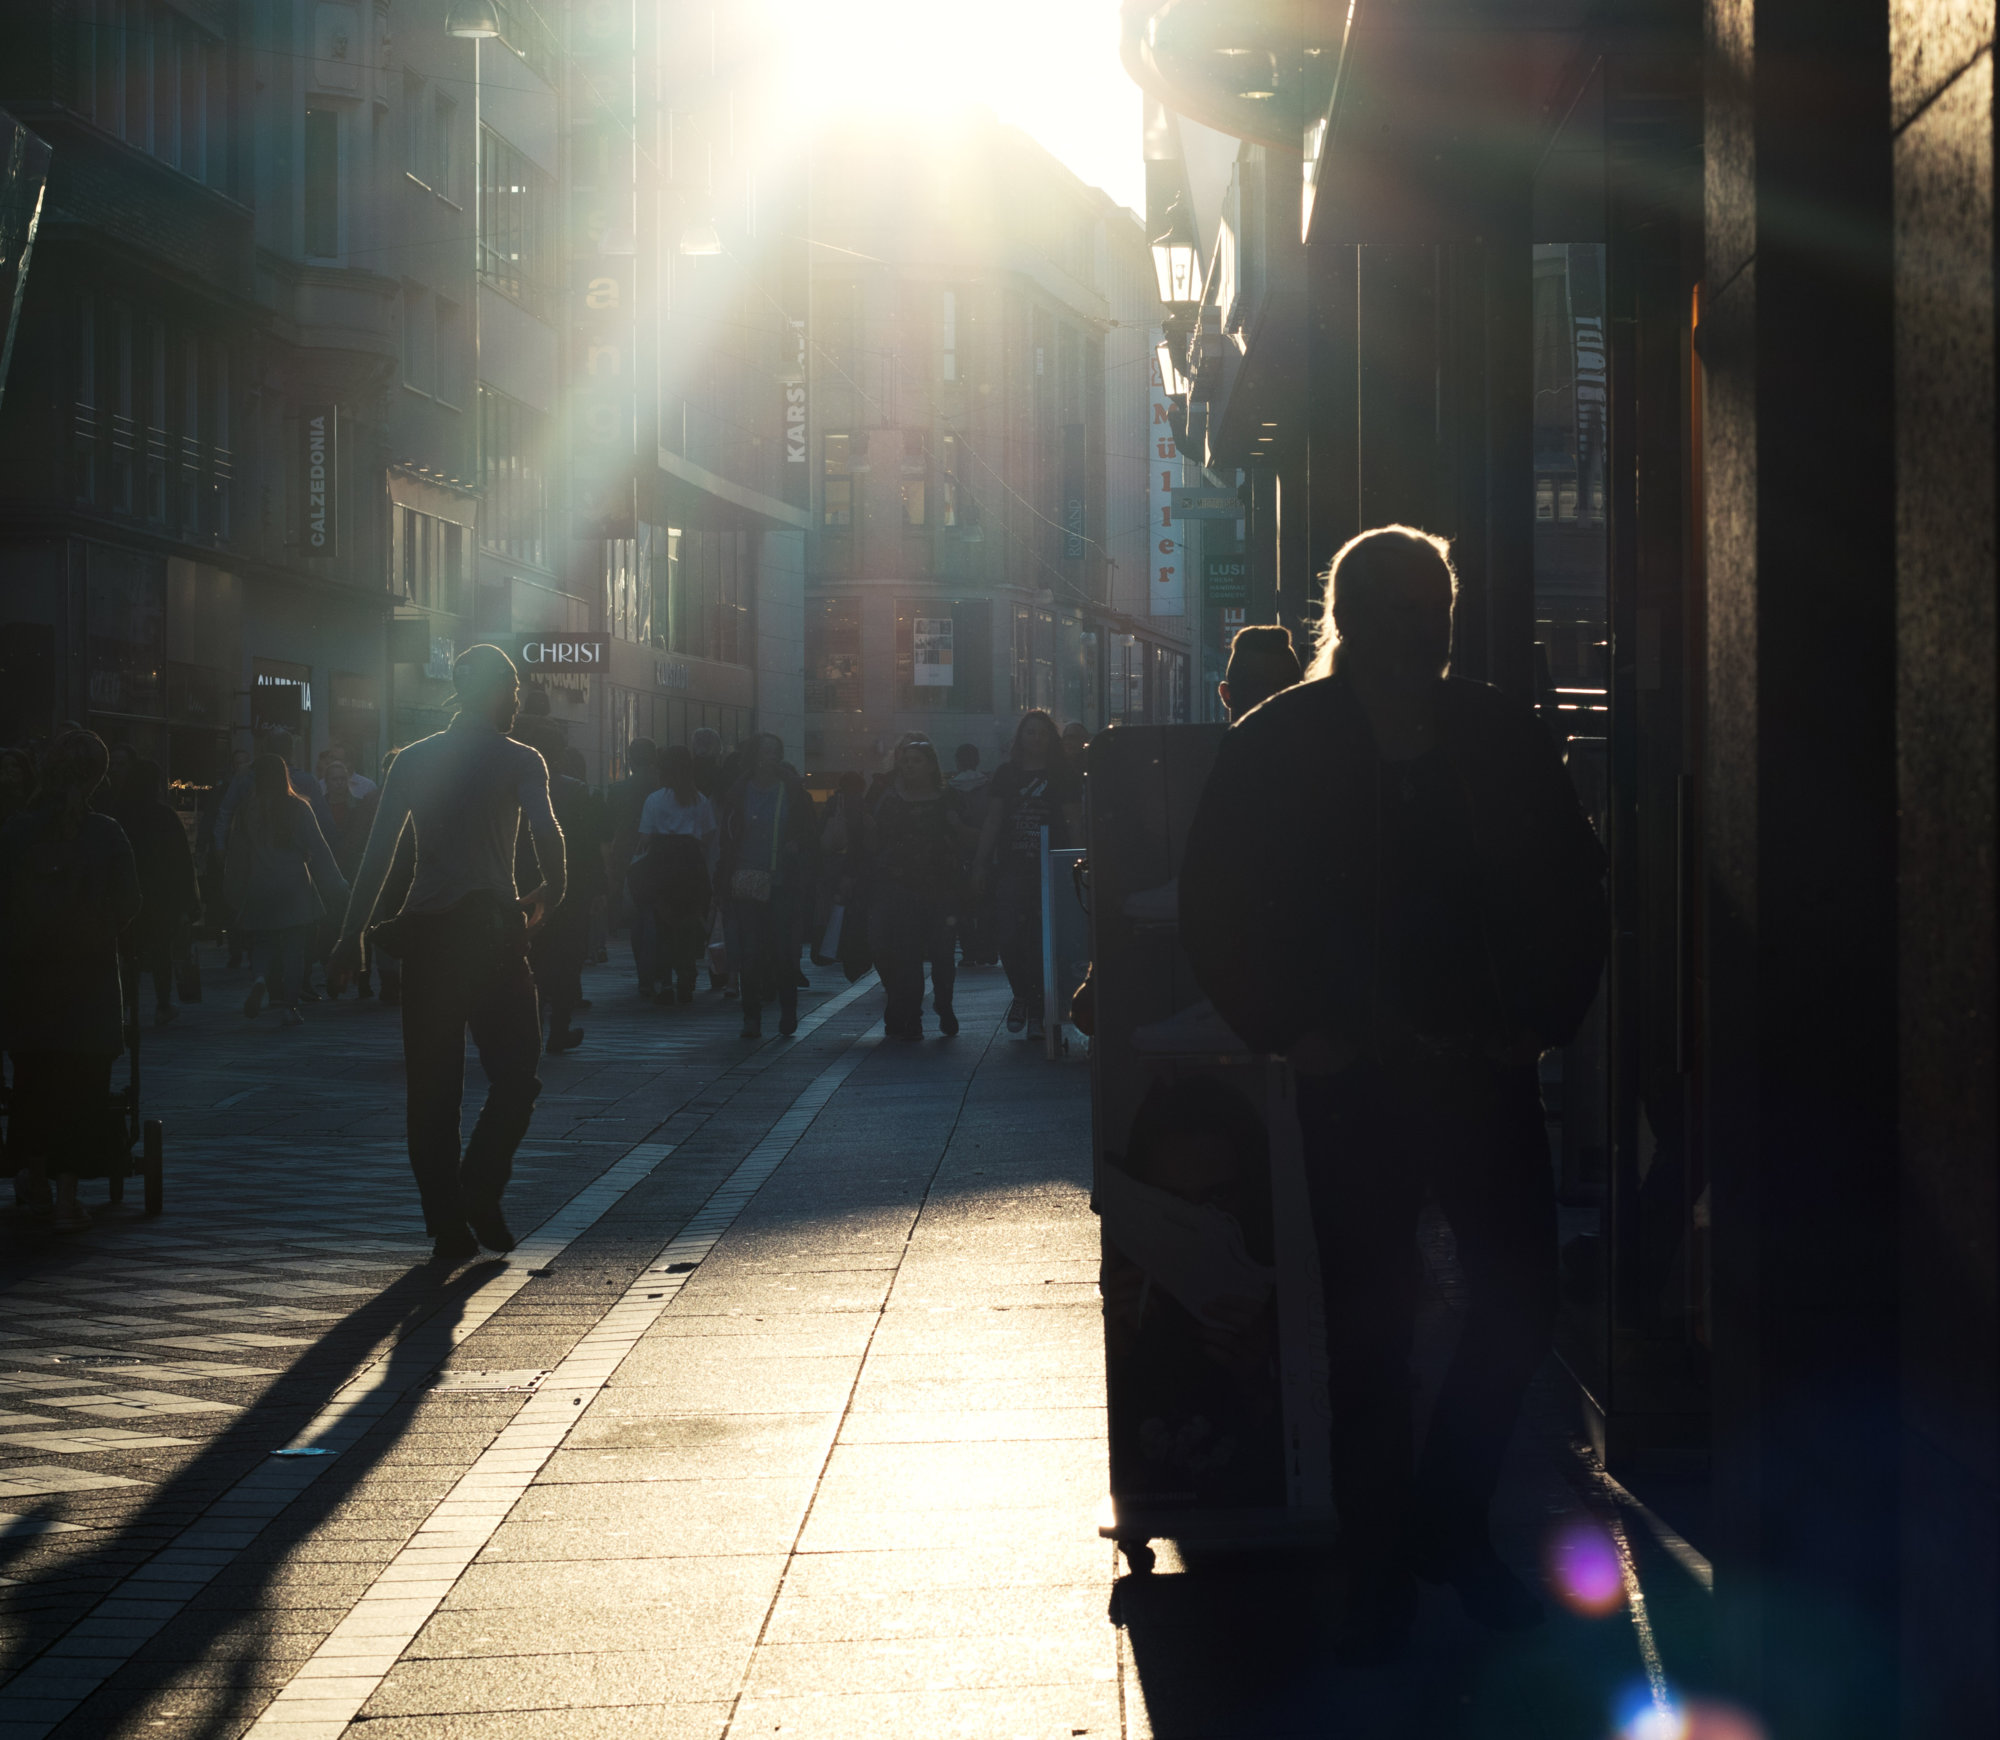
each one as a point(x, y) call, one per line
point(458, 975)
point(765, 951)
point(907, 929)
point(1017, 912)
point(1376, 1137)
point(278, 957)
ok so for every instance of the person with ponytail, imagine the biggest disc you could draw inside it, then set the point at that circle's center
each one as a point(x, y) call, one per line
point(69, 886)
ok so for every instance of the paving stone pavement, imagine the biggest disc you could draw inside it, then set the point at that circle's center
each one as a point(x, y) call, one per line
point(786, 1419)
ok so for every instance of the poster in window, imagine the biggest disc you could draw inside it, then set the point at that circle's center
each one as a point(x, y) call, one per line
point(930, 652)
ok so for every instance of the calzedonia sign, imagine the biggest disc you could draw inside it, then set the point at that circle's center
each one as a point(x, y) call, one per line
point(555, 650)
point(319, 444)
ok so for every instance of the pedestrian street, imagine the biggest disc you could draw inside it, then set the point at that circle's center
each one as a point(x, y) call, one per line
point(786, 1418)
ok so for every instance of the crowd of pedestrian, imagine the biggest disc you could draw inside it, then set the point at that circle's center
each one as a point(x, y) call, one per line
point(720, 863)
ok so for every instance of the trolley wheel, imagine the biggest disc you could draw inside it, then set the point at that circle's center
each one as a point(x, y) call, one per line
point(1139, 1555)
point(154, 1167)
point(115, 1187)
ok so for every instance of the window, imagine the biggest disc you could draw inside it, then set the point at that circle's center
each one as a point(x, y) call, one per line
point(916, 477)
point(416, 145)
point(428, 558)
point(511, 438)
point(419, 339)
point(454, 360)
point(955, 675)
point(958, 507)
point(515, 244)
point(322, 184)
point(709, 578)
point(444, 126)
point(948, 336)
point(833, 655)
point(150, 75)
point(838, 483)
point(1034, 673)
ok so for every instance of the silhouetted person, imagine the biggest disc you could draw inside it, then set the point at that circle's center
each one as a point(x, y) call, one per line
point(623, 803)
point(462, 940)
point(68, 887)
point(1262, 663)
point(1037, 786)
point(166, 881)
point(556, 950)
point(1411, 926)
point(916, 856)
point(282, 884)
point(680, 839)
point(766, 867)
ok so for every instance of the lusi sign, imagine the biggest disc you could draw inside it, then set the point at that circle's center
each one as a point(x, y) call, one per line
point(319, 437)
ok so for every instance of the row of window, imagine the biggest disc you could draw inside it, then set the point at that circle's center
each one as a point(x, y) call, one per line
point(663, 720)
point(514, 511)
point(944, 663)
point(149, 74)
point(150, 420)
point(952, 503)
point(682, 590)
point(430, 561)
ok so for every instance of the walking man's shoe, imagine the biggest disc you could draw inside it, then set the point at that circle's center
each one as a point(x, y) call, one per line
point(489, 1226)
point(455, 1247)
point(1017, 1015)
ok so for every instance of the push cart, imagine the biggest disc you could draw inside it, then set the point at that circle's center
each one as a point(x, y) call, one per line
point(134, 1145)
point(1200, 1191)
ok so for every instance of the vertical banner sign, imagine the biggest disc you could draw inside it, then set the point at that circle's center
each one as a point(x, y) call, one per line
point(603, 254)
point(930, 652)
point(795, 398)
point(319, 436)
point(1593, 398)
point(1167, 591)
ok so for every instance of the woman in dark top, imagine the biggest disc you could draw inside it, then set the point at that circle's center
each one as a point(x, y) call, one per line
point(68, 888)
point(769, 859)
point(916, 848)
point(282, 882)
point(1036, 787)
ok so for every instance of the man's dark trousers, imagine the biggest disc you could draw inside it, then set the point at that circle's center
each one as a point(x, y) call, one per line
point(460, 974)
point(1377, 1136)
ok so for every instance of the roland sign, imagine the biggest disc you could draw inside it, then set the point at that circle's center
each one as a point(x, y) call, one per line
point(558, 651)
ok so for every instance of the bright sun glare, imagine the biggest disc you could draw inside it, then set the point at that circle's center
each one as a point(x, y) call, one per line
point(1049, 67)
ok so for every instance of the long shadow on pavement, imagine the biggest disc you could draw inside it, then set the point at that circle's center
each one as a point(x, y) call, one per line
point(419, 1311)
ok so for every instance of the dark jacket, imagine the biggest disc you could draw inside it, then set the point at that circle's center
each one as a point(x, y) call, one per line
point(278, 884)
point(798, 836)
point(1281, 908)
point(166, 866)
point(63, 903)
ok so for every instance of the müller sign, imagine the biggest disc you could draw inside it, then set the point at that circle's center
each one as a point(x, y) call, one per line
point(567, 652)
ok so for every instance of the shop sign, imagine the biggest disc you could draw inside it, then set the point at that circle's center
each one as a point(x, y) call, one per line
point(666, 676)
point(319, 429)
point(795, 401)
point(557, 650)
point(930, 652)
point(1225, 581)
point(1207, 504)
point(1166, 595)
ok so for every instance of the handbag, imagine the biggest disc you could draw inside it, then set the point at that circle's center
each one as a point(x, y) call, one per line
point(748, 884)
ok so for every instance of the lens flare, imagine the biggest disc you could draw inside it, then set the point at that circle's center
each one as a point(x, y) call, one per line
point(1583, 1567)
point(1649, 1715)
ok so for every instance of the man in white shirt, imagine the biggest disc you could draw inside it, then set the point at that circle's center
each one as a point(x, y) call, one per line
point(463, 939)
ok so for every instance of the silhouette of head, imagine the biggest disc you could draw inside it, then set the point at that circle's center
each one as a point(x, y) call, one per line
point(1262, 662)
point(488, 686)
point(1389, 598)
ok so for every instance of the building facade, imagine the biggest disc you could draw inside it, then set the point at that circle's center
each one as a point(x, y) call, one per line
point(352, 339)
point(975, 416)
